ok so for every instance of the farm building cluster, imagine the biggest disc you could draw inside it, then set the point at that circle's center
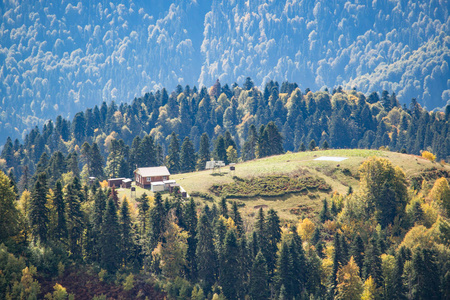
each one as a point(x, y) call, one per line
point(155, 178)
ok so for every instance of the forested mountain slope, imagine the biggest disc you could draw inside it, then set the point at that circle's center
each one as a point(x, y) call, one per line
point(59, 58)
point(187, 127)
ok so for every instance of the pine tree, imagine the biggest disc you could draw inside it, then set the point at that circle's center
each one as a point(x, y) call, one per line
point(173, 158)
point(187, 159)
point(259, 279)
point(39, 213)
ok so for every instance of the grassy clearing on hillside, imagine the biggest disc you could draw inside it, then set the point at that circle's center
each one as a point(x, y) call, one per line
point(339, 175)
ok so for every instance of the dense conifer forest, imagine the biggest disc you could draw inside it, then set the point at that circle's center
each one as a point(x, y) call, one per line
point(65, 238)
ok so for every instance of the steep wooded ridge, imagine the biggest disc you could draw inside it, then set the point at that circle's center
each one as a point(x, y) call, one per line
point(59, 58)
point(185, 129)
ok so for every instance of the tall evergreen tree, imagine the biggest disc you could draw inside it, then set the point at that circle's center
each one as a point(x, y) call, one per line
point(60, 207)
point(110, 242)
point(273, 233)
point(74, 220)
point(250, 144)
point(284, 271)
point(204, 154)
point(275, 139)
point(173, 158)
point(372, 262)
point(206, 254)
point(220, 152)
point(230, 264)
point(126, 233)
point(190, 223)
point(187, 157)
point(259, 279)
point(39, 213)
point(157, 221)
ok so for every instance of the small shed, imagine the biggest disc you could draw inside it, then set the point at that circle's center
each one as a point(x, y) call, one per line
point(157, 186)
point(115, 182)
point(126, 183)
point(168, 183)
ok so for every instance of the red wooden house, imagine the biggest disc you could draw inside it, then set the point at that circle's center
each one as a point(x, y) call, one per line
point(145, 176)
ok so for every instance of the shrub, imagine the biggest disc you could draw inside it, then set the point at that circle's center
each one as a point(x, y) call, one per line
point(428, 155)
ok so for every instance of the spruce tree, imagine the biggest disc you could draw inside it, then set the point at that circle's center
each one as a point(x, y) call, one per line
point(324, 214)
point(425, 279)
point(236, 216)
point(204, 154)
point(110, 242)
point(372, 262)
point(187, 158)
point(230, 264)
point(143, 208)
point(97, 223)
point(39, 213)
point(126, 233)
point(60, 207)
point(157, 221)
point(284, 271)
point(220, 152)
point(273, 233)
point(224, 207)
point(190, 222)
point(74, 221)
point(173, 158)
point(206, 254)
point(259, 279)
point(357, 251)
point(250, 144)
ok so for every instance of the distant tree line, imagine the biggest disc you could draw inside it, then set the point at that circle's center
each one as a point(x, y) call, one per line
point(187, 127)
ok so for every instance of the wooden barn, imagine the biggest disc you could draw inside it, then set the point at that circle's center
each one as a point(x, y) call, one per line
point(115, 182)
point(145, 176)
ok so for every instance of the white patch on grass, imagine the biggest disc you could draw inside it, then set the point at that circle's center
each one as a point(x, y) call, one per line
point(331, 158)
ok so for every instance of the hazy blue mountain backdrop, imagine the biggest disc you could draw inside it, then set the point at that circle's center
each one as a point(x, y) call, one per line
point(59, 57)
